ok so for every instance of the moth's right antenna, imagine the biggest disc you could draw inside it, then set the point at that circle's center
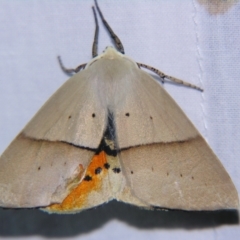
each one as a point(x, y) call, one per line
point(114, 37)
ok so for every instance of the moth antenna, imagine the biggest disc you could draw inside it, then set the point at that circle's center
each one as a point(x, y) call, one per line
point(114, 37)
point(95, 41)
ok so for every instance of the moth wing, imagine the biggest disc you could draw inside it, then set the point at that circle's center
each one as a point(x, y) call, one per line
point(165, 160)
point(50, 155)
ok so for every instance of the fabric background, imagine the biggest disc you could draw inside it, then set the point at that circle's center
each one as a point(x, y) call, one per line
point(182, 39)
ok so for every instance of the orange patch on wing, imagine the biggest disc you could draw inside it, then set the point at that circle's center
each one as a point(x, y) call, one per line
point(78, 197)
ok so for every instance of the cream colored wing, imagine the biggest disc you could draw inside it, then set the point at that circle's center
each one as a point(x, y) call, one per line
point(165, 160)
point(49, 158)
point(73, 114)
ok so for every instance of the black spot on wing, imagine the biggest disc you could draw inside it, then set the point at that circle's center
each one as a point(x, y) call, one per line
point(88, 178)
point(98, 170)
point(116, 170)
point(107, 165)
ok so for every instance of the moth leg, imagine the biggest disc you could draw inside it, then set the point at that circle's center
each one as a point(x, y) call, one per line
point(163, 76)
point(70, 70)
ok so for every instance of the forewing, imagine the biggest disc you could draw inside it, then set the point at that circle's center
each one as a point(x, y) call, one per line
point(166, 161)
point(49, 157)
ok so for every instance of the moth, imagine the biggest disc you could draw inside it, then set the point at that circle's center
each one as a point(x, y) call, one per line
point(112, 132)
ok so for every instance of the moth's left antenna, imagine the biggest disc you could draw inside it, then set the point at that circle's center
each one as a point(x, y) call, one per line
point(95, 41)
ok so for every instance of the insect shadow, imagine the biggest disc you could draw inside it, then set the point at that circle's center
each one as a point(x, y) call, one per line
point(17, 223)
